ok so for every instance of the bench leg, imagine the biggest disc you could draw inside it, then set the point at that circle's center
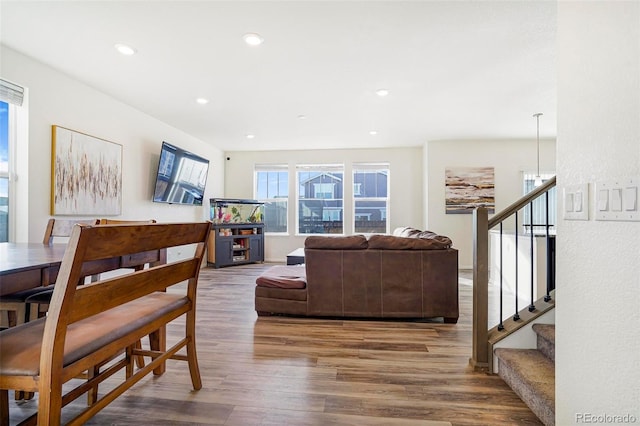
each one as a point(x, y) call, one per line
point(158, 342)
point(129, 356)
point(192, 357)
point(4, 407)
point(139, 358)
point(92, 394)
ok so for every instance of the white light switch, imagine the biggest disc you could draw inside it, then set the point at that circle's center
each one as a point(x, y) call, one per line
point(617, 199)
point(603, 200)
point(576, 202)
point(568, 202)
point(631, 198)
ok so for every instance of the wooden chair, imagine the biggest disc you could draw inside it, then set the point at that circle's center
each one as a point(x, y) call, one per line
point(15, 304)
point(61, 228)
point(96, 323)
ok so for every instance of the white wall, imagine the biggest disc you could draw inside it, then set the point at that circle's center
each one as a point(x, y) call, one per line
point(405, 181)
point(417, 174)
point(510, 158)
point(55, 98)
point(598, 263)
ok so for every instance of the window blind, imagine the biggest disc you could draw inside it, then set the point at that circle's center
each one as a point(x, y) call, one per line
point(270, 167)
point(11, 93)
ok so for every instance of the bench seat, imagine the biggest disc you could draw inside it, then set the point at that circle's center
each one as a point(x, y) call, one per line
point(21, 345)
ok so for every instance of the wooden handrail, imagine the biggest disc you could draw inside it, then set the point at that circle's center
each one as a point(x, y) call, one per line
point(500, 217)
point(481, 226)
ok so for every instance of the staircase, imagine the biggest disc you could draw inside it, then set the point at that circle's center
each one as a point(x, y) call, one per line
point(531, 372)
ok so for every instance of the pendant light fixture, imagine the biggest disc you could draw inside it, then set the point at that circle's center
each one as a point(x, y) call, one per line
point(538, 180)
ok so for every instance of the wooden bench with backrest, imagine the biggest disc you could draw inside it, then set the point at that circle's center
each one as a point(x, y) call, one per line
point(90, 325)
point(137, 261)
point(16, 304)
point(41, 297)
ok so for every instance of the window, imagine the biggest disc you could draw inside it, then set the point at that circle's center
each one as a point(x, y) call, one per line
point(272, 188)
point(13, 152)
point(539, 206)
point(320, 199)
point(371, 198)
point(4, 172)
point(323, 190)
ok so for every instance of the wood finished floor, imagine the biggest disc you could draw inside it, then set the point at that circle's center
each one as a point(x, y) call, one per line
point(299, 371)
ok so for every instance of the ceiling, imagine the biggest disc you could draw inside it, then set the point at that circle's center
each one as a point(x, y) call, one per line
point(453, 69)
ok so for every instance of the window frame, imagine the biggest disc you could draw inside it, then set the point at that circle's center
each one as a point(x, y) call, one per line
point(322, 169)
point(6, 174)
point(278, 168)
point(17, 226)
point(528, 179)
point(369, 167)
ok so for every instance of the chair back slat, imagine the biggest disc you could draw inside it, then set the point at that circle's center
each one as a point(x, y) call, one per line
point(62, 228)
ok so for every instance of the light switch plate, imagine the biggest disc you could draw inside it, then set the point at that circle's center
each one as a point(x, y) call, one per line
point(576, 202)
point(617, 199)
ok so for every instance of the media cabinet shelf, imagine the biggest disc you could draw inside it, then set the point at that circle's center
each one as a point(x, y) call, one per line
point(235, 244)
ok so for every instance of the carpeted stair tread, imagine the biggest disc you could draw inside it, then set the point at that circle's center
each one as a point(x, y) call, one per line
point(546, 339)
point(532, 376)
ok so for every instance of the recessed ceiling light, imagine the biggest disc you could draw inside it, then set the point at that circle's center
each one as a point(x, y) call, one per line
point(382, 92)
point(202, 101)
point(253, 39)
point(302, 117)
point(125, 50)
point(373, 132)
point(250, 136)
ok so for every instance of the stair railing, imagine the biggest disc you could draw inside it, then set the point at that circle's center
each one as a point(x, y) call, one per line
point(481, 227)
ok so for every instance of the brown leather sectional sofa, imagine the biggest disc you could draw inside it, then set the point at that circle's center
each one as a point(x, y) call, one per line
point(410, 274)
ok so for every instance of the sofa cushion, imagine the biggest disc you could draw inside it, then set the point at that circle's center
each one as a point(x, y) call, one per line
point(350, 242)
point(390, 242)
point(281, 276)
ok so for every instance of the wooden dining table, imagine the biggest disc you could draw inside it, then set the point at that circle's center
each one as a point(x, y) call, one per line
point(29, 265)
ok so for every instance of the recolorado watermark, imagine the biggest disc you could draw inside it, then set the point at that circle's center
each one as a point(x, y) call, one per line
point(603, 418)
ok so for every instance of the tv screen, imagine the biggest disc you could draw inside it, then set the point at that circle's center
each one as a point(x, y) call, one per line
point(181, 176)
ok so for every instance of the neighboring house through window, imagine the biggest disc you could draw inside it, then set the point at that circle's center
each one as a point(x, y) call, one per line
point(371, 198)
point(272, 188)
point(320, 199)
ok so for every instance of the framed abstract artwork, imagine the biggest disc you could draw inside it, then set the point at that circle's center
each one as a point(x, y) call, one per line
point(86, 174)
point(469, 187)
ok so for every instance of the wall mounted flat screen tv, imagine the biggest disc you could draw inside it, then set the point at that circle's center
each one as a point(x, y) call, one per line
point(181, 177)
